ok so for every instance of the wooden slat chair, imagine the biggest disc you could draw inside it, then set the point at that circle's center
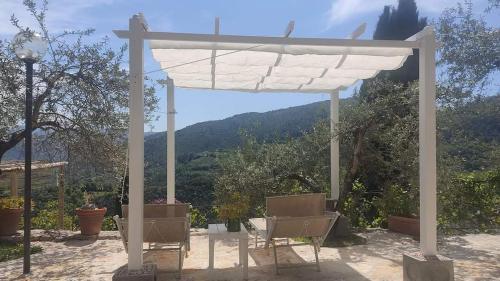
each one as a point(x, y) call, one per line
point(164, 225)
point(298, 216)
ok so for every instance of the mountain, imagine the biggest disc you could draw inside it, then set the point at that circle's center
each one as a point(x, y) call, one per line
point(226, 134)
point(219, 134)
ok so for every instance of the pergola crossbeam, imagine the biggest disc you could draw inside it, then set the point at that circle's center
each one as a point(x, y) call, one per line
point(268, 40)
point(214, 51)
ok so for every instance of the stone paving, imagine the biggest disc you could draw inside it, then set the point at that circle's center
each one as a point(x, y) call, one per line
point(475, 258)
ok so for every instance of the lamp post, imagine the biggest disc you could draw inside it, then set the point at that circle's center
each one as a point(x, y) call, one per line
point(29, 47)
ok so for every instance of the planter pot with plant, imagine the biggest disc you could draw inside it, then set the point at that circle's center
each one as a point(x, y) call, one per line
point(400, 205)
point(11, 210)
point(90, 217)
point(232, 209)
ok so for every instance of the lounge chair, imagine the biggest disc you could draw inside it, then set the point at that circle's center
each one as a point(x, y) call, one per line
point(295, 216)
point(165, 226)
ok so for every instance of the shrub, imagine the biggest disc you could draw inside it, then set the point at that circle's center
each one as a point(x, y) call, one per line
point(108, 224)
point(470, 201)
point(398, 201)
point(198, 219)
point(358, 206)
point(47, 218)
point(234, 206)
point(11, 202)
point(201, 217)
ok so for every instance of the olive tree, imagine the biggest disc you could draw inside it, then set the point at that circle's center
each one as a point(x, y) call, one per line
point(80, 95)
point(469, 54)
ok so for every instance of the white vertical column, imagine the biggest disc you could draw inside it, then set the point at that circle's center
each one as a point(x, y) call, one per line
point(170, 142)
point(427, 142)
point(334, 146)
point(136, 142)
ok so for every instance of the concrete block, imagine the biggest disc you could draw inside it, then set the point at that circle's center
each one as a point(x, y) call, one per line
point(147, 273)
point(417, 267)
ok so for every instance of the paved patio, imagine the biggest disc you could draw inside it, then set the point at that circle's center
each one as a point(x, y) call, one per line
point(476, 258)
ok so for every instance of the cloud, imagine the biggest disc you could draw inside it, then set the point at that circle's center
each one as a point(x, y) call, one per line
point(343, 10)
point(61, 15)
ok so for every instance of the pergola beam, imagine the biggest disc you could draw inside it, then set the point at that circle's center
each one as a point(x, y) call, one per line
point(256, 40)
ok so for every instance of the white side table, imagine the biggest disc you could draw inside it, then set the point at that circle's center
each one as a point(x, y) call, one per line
point(219, 231)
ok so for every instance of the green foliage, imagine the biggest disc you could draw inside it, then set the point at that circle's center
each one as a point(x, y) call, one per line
point(233, 206)
point(108, 200)
point(47, 218)
point(80, 104)
point(470, 200)
point(358, 207)
point(11, 251)
point(198, 219)
point(379, 130)
point(201, 217)
point(108, 224)
point(258, 170)
point(11, 202)
point(469, 52)
point(469, 135)
point(398, 201)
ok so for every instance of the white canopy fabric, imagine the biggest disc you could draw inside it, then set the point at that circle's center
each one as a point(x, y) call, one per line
point(272, 67)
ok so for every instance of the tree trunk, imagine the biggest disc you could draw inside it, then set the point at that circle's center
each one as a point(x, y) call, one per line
point(352, 172)
point(14, 139)
point(2, 152)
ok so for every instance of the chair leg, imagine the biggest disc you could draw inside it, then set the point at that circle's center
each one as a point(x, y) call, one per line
point(316, 246)
point(275, 258)
point(180, 260)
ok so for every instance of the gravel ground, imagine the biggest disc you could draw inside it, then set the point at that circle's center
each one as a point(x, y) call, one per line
point(475, 257)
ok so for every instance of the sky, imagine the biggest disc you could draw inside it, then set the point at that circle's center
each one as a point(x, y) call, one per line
point(319, 18)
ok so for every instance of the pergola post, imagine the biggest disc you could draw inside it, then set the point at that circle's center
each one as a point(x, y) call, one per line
point(427, 265)
point(170, 142)
point(136, 142)
point(334, 146)
point(427, 143)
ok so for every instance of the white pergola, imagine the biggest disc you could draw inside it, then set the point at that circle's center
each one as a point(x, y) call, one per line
point(273, 64)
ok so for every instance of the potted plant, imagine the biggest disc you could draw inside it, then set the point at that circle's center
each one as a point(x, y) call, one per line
point(90, 216)
point(401, 209)
point(234, 207)
point(11, 210)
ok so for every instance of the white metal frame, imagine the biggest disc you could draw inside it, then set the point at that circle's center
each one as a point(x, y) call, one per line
point(138, 32)
point(170, 142)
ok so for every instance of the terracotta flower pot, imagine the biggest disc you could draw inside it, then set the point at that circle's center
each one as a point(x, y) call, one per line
point(405, 225)
point(90, 220)
point(9, 221)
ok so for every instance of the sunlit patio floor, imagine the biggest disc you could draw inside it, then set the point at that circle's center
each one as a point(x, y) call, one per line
point(476, 258)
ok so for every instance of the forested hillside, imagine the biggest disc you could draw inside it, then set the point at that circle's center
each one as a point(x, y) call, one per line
point(226, 134)
point(469, 133)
